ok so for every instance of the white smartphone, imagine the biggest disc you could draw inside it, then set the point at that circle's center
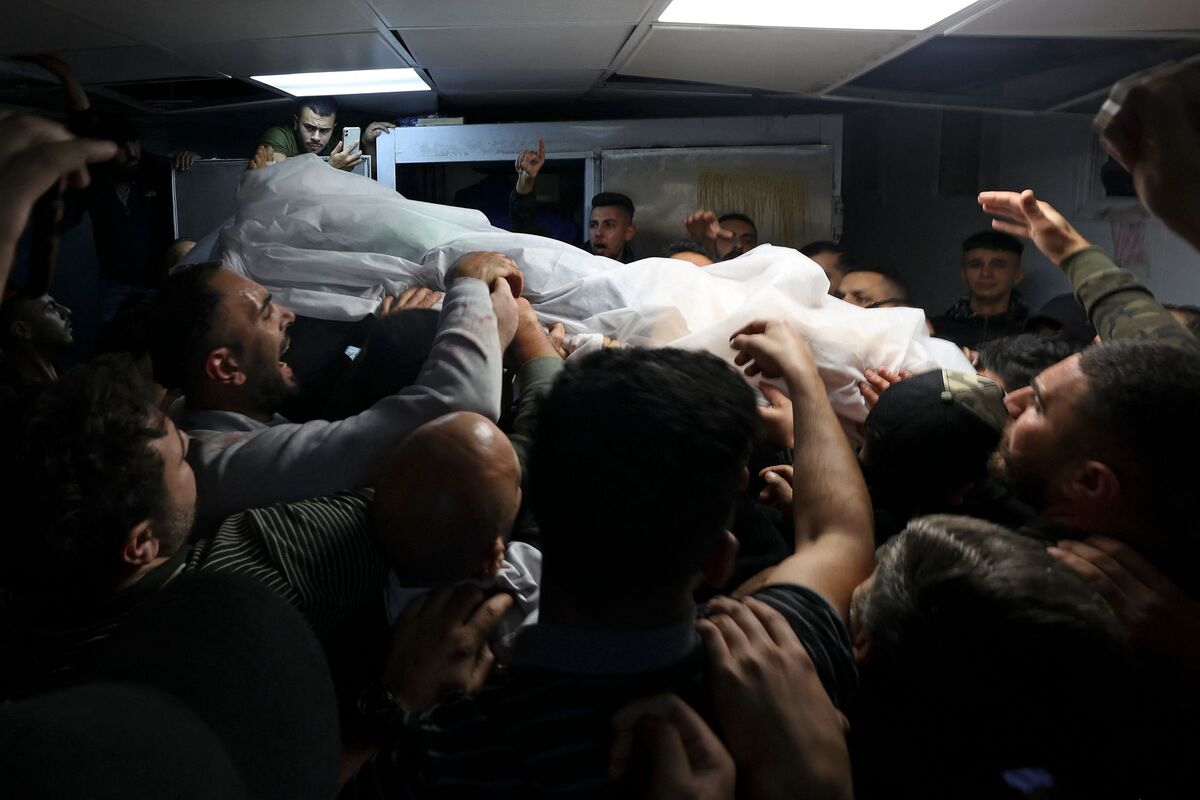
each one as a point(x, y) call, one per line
point(350, 138)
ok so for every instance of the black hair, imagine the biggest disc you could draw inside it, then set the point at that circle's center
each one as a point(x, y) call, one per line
point(129, 331)
point(391, 359)
point(984, 653)
point(684, 246)
point(321, 106)
point(1139, 397)
point(184, 318)
point(85, 473)
point(1019, 359)
point(614, 199)
point(899, 287)
point(1191, 312)
point(993, 240)
point(738, 217)
point(821, 246)
point(639, 451)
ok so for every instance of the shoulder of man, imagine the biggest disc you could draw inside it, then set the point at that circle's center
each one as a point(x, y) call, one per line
point(282, 140)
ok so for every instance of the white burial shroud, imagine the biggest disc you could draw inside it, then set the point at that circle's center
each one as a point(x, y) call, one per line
point(329, 244)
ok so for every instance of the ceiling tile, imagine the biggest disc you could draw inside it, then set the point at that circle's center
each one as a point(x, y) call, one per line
point(784, 60)
point(41, 29)
point(471, 81)
point(173, 22)
point(296, 54)
point(141, 63)
point(452, 13)
point(1085, 18)
point(547, 46)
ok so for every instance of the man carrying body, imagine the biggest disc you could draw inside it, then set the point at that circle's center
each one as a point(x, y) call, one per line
point(221, 339)
point(992, 307)
point(312, 131)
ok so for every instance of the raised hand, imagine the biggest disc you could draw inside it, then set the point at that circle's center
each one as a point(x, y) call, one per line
point(878, 381)
point(772, 349)
point(440, 645)
point(777, 491)
point(487, 266)
point(703, 226)
point(1025, 216)
point(529, 163)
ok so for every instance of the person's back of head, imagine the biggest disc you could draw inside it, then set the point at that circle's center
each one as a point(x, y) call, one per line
point(185, 318)
point(979, 653)
point(86, 474)
point(637, 458)
point(391, 358)
point(1136, 415)
point(446, 503)
point(1014, 361)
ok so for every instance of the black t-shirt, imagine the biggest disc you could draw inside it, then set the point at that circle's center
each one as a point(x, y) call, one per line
point(533, 731)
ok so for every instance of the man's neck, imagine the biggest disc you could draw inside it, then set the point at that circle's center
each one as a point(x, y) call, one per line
point(31, 364)
point(990, 307)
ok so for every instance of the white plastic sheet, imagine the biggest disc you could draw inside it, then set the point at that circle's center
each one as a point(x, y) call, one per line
point(330, 244)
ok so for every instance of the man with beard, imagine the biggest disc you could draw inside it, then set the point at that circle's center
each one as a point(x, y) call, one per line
point(221, 338)
point(33, 329)
point(104, 499)
point(312, 131)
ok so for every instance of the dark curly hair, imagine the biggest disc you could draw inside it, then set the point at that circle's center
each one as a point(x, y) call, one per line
point(184, 315)
point(85, 472)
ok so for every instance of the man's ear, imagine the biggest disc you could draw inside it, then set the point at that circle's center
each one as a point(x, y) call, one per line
point(20, 330)
point(1092, 482)
point(862, 648)
point(717, 568)
point(630, 232)
point(141, 545)
point(1020, 276)
point(222, 366)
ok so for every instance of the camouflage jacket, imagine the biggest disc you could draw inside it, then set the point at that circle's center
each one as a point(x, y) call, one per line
point(1118, 306)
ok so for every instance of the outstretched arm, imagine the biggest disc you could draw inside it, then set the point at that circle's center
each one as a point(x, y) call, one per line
point(834, 529)
point(1118, 305)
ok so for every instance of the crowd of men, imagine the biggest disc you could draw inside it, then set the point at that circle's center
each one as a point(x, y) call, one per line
point(478, 565)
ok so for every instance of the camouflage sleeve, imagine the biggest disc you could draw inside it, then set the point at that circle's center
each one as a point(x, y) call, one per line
point(1118, 306)
point(281, 140)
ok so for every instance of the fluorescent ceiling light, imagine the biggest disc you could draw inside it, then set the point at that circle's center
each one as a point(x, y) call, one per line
point(354, 81)
point(883, 15)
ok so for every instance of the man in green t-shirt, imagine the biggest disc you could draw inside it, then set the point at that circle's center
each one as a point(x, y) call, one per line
point(312, 131)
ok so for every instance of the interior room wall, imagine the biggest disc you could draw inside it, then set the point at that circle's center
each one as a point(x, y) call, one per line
point(897, 217)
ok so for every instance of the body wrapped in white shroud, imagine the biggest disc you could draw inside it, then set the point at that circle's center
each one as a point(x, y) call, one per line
point(329, 244)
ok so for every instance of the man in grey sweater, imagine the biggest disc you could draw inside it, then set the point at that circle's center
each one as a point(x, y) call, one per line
point(220, 338)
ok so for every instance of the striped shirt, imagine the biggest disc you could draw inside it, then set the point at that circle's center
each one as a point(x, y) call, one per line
point(319, 555)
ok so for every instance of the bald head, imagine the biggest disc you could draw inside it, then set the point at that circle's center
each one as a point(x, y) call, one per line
point(447, 501)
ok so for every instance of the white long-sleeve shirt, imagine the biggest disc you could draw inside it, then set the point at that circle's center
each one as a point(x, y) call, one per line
point(242, 463)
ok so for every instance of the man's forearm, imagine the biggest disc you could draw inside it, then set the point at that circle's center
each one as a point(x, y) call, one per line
point(829, 493)
point(1117, 304)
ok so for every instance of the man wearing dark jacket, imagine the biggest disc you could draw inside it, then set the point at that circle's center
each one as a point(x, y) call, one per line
point(992, 307)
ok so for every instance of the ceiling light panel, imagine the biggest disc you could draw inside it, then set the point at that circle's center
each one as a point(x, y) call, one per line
point(355, 81)
point(882, 15)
